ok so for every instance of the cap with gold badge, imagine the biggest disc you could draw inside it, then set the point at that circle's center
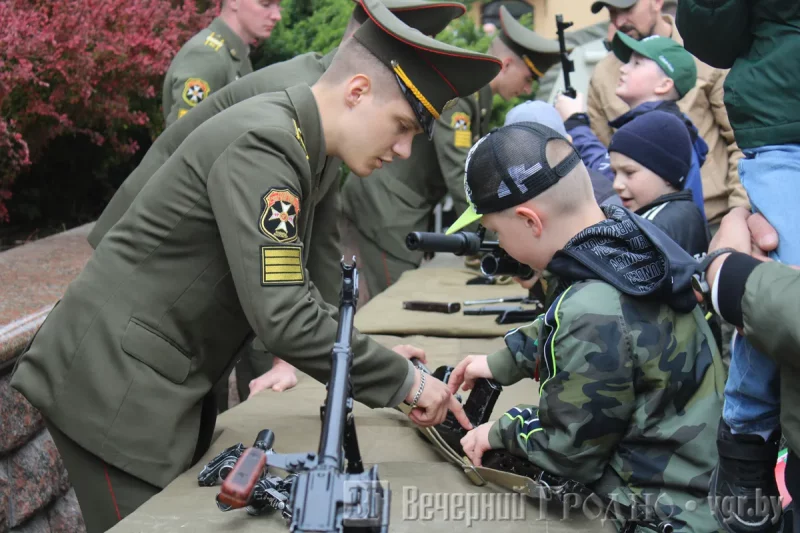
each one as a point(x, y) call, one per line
point(431, 73)
point(538, 53)
point(428, 17)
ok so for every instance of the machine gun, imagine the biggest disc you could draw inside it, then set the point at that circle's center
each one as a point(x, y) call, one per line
point(515, 473)
point(567, 64)
point(496, 262)
point(325, 495)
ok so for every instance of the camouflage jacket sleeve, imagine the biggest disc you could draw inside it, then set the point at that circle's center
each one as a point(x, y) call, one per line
point(201, 72)
point(278, 300)
point(452, 140)
point(586, 393)
point(518, 359)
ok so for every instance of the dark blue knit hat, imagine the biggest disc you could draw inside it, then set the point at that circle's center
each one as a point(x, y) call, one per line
point(658, 141)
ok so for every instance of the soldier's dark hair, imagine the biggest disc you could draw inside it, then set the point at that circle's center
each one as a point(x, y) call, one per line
point(354, 58)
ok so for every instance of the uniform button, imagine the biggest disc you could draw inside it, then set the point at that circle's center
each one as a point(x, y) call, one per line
point(483, 112)
point(475, 139)
point(233, 53)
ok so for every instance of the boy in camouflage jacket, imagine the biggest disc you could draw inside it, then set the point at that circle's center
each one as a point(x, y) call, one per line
point(630, 378)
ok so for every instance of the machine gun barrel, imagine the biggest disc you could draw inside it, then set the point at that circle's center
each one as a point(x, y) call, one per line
point(495, 262)
point(459, 243)
point(332, 437)
point(567, 64)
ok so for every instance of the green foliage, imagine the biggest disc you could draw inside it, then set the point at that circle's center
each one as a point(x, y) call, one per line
point(319, 29)
point(463, 33)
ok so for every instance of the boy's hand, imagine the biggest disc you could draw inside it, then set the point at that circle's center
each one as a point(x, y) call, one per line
point(567, 106)
point(476, 442)
point(527, 283)
point(467, 371)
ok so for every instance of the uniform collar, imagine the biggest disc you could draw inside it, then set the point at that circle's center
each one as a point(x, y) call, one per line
point(327, 59)
point(237, 48)
point(486, 96)
point(310, 124)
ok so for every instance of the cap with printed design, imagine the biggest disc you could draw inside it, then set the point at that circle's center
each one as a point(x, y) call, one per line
point(508, 167)
point(672, 58)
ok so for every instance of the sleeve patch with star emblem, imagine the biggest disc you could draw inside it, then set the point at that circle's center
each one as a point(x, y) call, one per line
point(282, 265)
point(195, 91)
point(462, 137)
point(281, 208)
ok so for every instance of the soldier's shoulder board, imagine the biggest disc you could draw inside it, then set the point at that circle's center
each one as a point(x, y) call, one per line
point(462, 126)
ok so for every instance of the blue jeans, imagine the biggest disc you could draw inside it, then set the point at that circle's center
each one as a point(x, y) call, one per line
point(771, 177)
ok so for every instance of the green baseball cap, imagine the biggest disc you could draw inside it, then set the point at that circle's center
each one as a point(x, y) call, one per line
point(428, 17)
point(432, 74)
point(673, 58)
point(537, 52)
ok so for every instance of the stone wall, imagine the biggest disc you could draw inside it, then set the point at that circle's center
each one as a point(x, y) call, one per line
point(35, 493)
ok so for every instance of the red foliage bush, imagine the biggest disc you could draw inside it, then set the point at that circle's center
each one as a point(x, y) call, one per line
point(90, 67)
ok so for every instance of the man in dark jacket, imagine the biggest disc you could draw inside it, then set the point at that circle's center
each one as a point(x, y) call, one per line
point(762, 93)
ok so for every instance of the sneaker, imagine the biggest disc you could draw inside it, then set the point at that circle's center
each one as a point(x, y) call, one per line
point(743, 490)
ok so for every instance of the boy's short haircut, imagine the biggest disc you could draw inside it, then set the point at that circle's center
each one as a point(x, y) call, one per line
point(508, 167)
point(672, 58)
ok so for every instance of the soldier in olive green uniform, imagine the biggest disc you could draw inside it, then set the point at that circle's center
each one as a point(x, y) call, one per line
point(400, 198)
point(213, 250)
point(428, 17)
point(216, 56)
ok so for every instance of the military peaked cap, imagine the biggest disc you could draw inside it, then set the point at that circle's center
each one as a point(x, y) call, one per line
point(431, 73)
point(428, 17)
point(537, 52)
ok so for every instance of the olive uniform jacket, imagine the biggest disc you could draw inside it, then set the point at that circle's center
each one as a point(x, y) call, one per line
point(399, 198)
point(207, 62)
point(324, 251)
point(210, 251)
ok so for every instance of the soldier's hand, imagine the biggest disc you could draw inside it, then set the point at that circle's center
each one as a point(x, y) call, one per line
point(467, 371)
point(476, 443)
point(567, 106)
point(281, 377)
point(434, 402)
point(411, 352)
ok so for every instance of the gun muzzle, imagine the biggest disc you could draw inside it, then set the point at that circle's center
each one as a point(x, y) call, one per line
point(458, 243)
point(265, 440)
point(504, 265)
